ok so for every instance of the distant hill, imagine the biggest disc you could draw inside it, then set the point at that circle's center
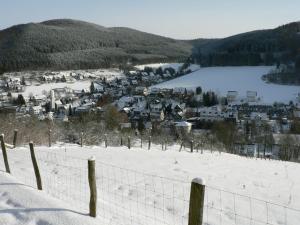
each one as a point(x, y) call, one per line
point(71, 44)
point(265, 47)
point(65, 44)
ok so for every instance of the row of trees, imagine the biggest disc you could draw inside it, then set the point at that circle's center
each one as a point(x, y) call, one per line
point(228, 135)
point(210, 99)
point(223, 135)
point(66, 44)
point(254, 48)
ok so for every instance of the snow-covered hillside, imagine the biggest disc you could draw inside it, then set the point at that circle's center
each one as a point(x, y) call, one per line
point(141, 186)
point(39, 90)
point(241, 79)
point(175, 66)
point(21, 204)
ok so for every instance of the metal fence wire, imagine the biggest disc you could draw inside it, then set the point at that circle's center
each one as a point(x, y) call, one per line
point(129, 197)
point(139, 198)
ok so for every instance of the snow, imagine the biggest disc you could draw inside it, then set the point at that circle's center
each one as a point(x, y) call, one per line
point(139, 186)
point(183, 124)
point(199, 181)
point(109, 74)
point(93, 158)
point(38, 90)
point(241, 79)
point(175, 66)
point(78, 85)
point(21, 204)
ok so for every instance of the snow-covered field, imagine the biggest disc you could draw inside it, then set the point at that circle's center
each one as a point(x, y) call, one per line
point(23, 205)
point(78, 85)
point(241, 79)
point(141, 187)
point(175, 66)
point(38, 90)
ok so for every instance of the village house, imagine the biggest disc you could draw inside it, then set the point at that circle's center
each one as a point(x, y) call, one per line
point(183, 126)
point(85, 108)
point(257, 116)
point(232, 96)
point(156, 110)
point(179, 91)
point(215, 113)
point(14, 84)
point(140, 90)
point(257, 150)
point(98, 87)
point(296, 111)
point(2, 83)
point(63, 111)
point(251, 96)
point(36, 110)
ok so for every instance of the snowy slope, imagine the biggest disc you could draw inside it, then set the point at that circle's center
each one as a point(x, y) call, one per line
point(175, 66)
point(138, 186)
point(78, 85)
point(241, 79)
point(157, 65)
point(38, 90)
point(21, 204)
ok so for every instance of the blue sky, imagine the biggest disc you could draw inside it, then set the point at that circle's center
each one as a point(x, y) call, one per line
point(182, 19)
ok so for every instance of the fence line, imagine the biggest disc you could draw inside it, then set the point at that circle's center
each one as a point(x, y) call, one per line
point(241, 209)
point(65, 177)
point(136, 141)
point(130, 197)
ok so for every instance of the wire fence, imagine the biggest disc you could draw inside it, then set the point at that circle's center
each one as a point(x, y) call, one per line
point(63, 177)
point(129, 197)
point(139, 198)
point(225, 207)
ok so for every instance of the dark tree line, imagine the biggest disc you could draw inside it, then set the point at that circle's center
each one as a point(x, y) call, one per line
point(210, 99)
point(266, 47)
point(66, 44)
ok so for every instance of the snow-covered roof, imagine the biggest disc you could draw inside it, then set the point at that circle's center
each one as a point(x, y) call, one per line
point(183, 124)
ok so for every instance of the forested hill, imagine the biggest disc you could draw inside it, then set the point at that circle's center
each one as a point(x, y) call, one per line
point(71, 44)
point(266, 47)
point(64, 44)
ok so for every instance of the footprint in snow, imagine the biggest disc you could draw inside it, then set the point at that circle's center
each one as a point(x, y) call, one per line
point(177, 169)
point(13, 204)
point(120, 188)
point(4, 194)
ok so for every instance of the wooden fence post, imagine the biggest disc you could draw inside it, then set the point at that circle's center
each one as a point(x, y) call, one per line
point(196, 202)
point(149, 143)
point(129, 144)
point(15, 138)
point(192, 146)
point(4, 153)
point(35, 167)
point(105, 140)
point(181, 146)
point(93, 187)
point(49, 137)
